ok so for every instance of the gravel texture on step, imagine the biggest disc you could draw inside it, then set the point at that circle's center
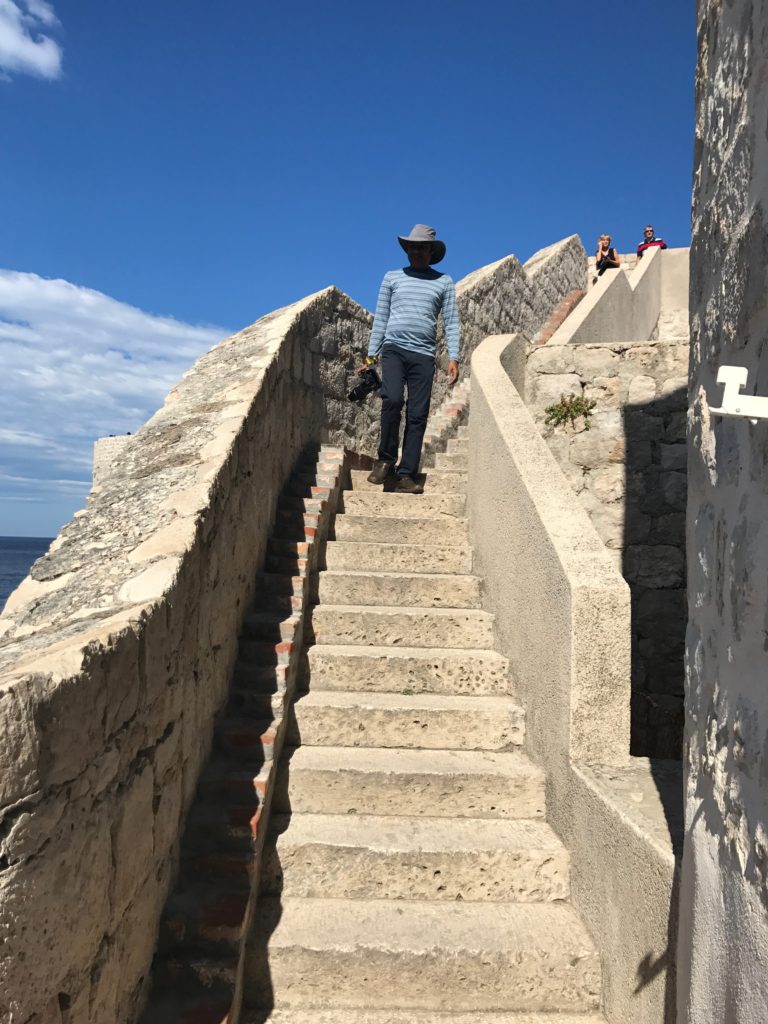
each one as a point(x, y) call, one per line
point(380, 557)
point(360, 856)
point(420, 669)
point(420, 589)
point(440, 783)
point(435, 480)
point(397, 530)
point(458, 461)
point(424, 955)
point(423, 721)
point(407, 627)
point(357, 1016)
point(385, 503)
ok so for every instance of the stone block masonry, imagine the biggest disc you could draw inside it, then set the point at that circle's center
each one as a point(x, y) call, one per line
point(116, 658)
point(629, 471)
point(117, 651)
point(724, 885)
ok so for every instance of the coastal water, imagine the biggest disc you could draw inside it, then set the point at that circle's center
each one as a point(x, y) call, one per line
point(16, 557)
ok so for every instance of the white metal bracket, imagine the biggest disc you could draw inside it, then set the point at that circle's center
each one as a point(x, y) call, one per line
point(751, 407)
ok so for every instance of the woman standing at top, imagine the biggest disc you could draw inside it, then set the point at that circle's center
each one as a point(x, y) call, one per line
point(606, 256)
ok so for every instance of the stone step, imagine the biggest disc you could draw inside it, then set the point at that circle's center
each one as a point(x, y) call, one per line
point(418, 721)
point(458, 461)
point(394, 781)
point(264, 653)
point(416, 669)
point(250, 739)
point(385, 503)
point(448, 480)
point(356, 1016)
point(207, 917)
point(274, 625)
point(421, 955)
point(418, 589)
point(458, 446)
point(278, 592)
point(191, 990)
point(311, 486)
point(289, 502)
point(360, 856)
point(409, 530)
point(235, 786)
point(378, 557)
point(408, 627)
point(291, 525)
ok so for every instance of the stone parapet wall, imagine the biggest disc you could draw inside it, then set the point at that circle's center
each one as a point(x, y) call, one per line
point(116, 656)
point(116, 652)
point(509, 296)
point(629, 471)
point(106, 453)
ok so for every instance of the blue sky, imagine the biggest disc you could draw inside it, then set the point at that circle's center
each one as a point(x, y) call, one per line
point(172, 171)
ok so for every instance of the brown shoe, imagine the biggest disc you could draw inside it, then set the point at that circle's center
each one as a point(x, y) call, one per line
point(380, 472)
point(407, 485)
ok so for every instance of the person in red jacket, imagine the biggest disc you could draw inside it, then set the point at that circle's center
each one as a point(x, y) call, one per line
point(650, 241)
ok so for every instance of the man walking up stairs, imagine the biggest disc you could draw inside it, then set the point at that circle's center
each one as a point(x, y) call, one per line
point(411, 877)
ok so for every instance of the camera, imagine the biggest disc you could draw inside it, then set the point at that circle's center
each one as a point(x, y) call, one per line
point(369, 381)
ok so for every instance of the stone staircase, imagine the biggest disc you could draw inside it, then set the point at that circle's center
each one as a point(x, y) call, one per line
point(409, 875)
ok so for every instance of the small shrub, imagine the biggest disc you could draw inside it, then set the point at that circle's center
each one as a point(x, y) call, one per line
point(568, 410)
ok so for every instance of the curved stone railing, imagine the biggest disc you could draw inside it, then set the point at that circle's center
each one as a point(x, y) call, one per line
point(563, 620)
point(566, 621)
point(117, 654)
point(116, 651)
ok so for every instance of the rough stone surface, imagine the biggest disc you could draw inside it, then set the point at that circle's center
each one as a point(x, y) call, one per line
point(409, 719)
point(445, 783)
point(629, 470)
point(724, 886)
point(117, 651)
point(374, 953)
point(369, 857)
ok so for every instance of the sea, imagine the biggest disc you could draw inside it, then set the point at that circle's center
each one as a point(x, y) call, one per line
point(16, 557)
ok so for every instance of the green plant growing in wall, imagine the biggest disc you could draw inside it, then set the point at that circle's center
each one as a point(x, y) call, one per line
point(569, 409)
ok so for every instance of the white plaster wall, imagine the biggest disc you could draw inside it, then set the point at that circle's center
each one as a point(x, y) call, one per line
point(723, 951)
point(675, 279)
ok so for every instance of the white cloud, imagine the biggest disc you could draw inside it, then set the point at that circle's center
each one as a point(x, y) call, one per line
point(76, 365)
point(24, 48)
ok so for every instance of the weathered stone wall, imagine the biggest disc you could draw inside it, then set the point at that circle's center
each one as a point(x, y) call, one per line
point(106, 454)
point(724, 890)
point(116, 652)
point(628, 470)
point(116, 655)
point(511, 297)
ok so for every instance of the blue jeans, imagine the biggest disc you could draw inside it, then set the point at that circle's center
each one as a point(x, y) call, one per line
point(401, 369)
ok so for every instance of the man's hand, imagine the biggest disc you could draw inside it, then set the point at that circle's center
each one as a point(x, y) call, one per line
point(369, 361)
point(453, 372)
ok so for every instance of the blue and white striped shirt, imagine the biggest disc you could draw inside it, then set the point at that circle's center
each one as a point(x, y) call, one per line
point(407, 309)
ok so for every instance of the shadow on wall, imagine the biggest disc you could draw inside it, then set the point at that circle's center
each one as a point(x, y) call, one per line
point(654, 568)
point(653, 564)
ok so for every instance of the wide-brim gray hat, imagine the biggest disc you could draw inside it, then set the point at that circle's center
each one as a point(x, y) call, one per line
point(424, 233)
